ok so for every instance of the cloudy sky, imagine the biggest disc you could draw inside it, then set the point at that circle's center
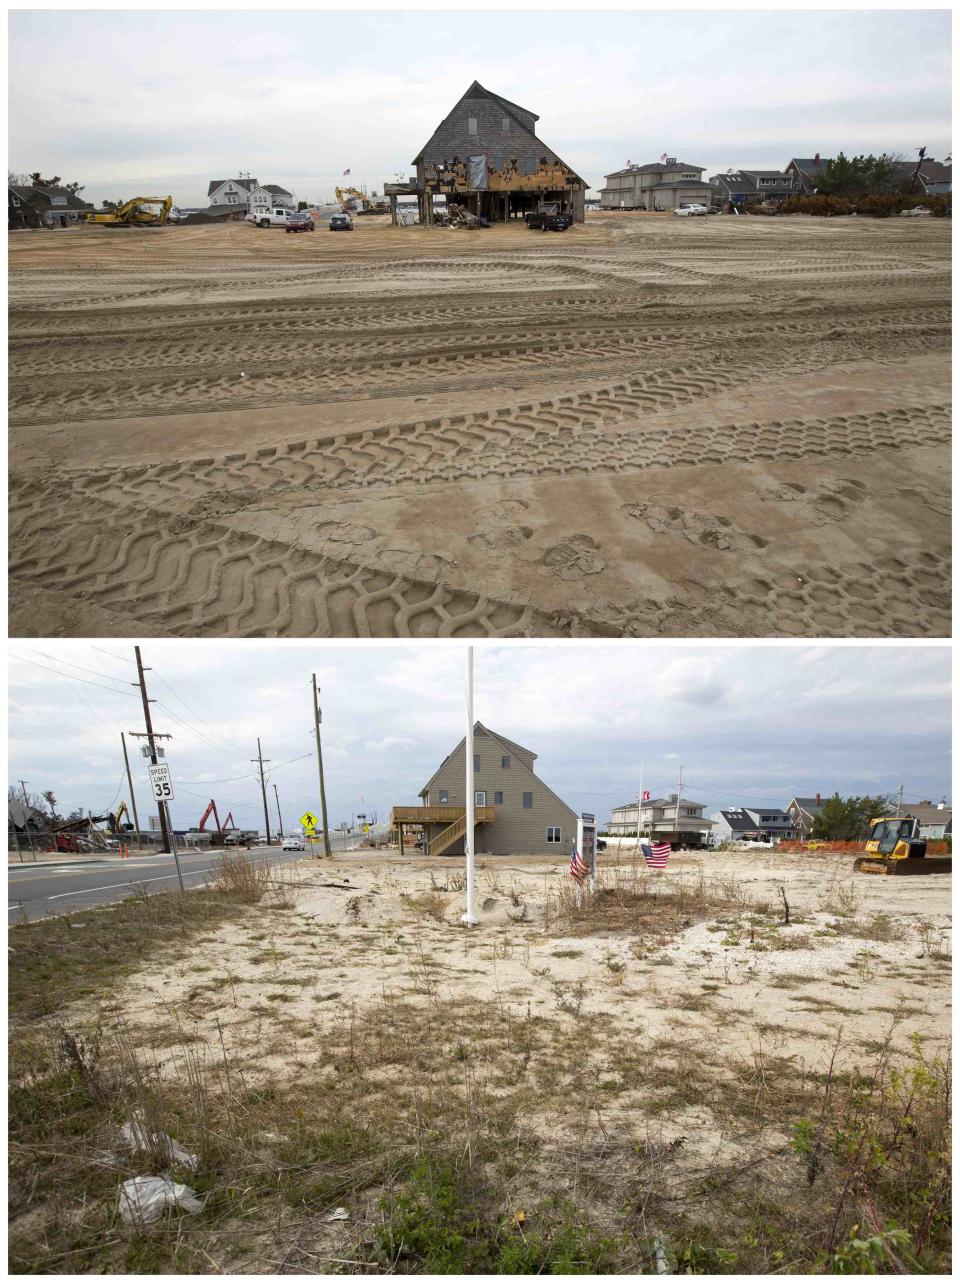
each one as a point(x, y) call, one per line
point(145, 102)
point(747, 723)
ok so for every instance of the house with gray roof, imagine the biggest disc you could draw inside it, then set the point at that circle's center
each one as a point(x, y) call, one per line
point(662, 185)
point(485, 155)
point(803, 811)
point(935, 178)
point(752, 824)
point(515, 812)
point(935, 818)
point(233, 192)
point(663, 819)
point(742, 186)
point(34, 206)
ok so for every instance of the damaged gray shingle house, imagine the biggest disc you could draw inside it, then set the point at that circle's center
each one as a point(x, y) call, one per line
point(486, 156)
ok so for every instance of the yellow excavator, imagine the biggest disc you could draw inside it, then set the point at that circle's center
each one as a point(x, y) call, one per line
point(135, 213)
point(895, 847)
point(366, 205)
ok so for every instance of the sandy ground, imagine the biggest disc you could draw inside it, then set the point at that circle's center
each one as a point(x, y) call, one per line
point(644, 426)
point(277, 990)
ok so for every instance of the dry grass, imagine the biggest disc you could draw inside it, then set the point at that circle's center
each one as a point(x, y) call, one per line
point(433, 1117)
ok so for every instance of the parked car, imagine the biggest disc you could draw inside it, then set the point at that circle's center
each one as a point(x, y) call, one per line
point(690, 211)
point(293, 843)
point(301, 222)
point(341, 223)
point(548, 218)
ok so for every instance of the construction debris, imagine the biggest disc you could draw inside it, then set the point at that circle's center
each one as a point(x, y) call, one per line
point(144, 1199)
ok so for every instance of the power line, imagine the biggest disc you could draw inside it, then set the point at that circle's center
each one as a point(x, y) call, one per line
point(112, 689)
point(120, 658)
point(70, 664)
point(193, 731)
point(202, 720)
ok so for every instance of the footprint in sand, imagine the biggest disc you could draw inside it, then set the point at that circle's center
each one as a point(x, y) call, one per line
point(576, 556)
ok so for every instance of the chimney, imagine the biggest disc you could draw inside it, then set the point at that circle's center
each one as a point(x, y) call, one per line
point(941, 805)
point(818, 799)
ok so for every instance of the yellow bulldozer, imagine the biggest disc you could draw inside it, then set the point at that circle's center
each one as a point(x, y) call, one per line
point(135, 213)
point(896, 847)
point(363, 204)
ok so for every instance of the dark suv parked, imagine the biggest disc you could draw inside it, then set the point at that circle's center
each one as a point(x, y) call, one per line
point(302, 222)
point(341, 223)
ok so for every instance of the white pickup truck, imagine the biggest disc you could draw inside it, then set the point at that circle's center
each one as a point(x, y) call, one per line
point(278, 216)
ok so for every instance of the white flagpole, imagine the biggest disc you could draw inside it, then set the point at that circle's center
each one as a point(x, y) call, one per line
point(469, 918)
point(639, 807)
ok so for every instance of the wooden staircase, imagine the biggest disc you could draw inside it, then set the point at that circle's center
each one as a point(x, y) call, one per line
point(449, 835)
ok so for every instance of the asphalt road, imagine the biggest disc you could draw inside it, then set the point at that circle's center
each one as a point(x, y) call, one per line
point(64, 888)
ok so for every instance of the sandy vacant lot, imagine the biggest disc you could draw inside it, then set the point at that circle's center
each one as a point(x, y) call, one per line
point(671, 1064)
point(644, 426)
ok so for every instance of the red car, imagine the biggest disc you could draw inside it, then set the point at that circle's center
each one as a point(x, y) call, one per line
point(302, 222)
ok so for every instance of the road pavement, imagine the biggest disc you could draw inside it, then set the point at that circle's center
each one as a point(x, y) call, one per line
point(63, 888)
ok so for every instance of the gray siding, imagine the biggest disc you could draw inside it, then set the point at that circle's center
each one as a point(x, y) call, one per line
point(516, 831)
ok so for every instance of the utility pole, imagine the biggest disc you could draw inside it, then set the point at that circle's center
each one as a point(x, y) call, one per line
point(23, 785)
point(170, 842)
point(323, 793)
point(279, 816)
point(263, 788)
point(133, 799)
point(679, 791)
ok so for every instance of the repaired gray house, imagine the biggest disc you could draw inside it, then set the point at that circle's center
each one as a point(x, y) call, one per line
point(515, 812)
point(486, 156)
point(663, 185)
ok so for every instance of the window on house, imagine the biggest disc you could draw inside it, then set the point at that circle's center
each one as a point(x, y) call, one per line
point(15, 200)
point(498, 799)
point(444, 797)
point(528, 801)
point(476, 761)
point(480, 798)
point(505, 762)
point(472, 126)
point(231, 198)
point(553, 833)
point(505, 124)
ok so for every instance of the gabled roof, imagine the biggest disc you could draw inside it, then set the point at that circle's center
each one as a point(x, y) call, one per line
point(509, 108)
point(31, 193)
point(808, 804)
point(509, 746)
point(246, 183)
point(928, 812)
point(277, 191)
point(811, 166)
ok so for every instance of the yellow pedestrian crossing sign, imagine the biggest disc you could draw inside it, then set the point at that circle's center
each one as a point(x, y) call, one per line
point(309, 822)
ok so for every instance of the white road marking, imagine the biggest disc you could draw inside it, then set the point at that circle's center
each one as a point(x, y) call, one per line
point(113, 885)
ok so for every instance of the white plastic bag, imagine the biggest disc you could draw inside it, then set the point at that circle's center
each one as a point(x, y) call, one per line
point(145, 1199)
point(136, 1136)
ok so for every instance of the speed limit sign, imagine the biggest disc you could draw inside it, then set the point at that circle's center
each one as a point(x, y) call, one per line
point(161, 781)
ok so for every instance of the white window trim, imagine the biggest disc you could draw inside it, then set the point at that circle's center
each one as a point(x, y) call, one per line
point(558, 840)
point(480, 797)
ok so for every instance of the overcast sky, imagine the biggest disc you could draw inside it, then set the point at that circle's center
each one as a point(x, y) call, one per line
point(150, 102)
point(747, 723)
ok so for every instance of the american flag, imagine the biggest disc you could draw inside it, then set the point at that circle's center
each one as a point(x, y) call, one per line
point(346, 173)
point(663, 158)
point(578, 870)
point(657, 856)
